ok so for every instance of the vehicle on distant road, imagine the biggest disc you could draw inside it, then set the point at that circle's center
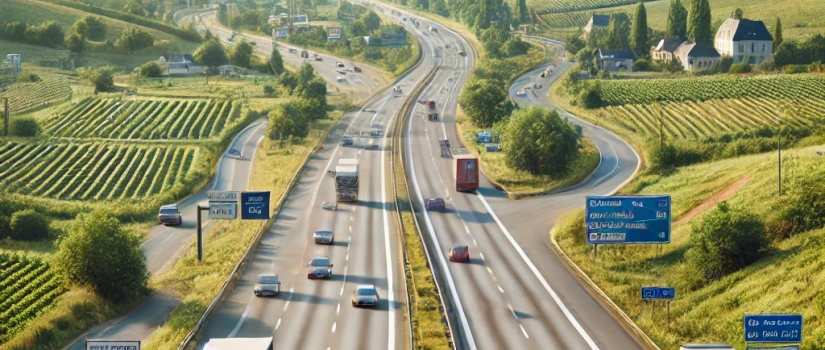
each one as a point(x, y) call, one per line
point(356, 69)
point(323, 237)
point(329, 206)
point(537, 86)
point(371, 145)
point(169, 215)
point(293, 51)
point(432, 29)
point(239, 343)
point(404, 19)
point(318, 57)
point(432, 111)
point(365, 295)
point(339, 64)
point(347, 141)
point(268, 284)
point(522, 92)
point(304, 54)
point(465, 169)
point(462, 53)
point(340, 78)
point(436, 203)
point(460, 253)
point(397, 89)
point(319, 268)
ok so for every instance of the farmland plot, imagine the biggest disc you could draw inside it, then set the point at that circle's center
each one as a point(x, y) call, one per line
point(145, 119)
point(92, 171)
point(27, 287)
point(28, 96)
point(555, 6)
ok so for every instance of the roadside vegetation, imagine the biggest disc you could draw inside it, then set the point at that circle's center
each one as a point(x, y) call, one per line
point(737, 248)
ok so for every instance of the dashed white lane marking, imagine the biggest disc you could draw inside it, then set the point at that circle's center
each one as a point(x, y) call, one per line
point(350, 228)
point(490, 270)
point(338, 310)
point(482, 257)
point(334, 324)
point(278, 325)
point(524, 331)
point(291, 292)
point(500, 289)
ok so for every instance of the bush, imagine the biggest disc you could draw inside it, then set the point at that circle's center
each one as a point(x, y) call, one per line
point(740, 68)
point(24, 127)
point(803, 206)
point(98, 252)
point(75, 43)
point(270, 91)
point(28, 77)
point(538, 141)
point(103, 78)
point(670, 155)
point(641, 65)
point(725, 63)
point(5, 230)
point(485, 102)
point(289, 119)
point(726, 240)
point(134, 39)
point(590, 96)
point(28, 225)
point(795, 69)
point(150, 70)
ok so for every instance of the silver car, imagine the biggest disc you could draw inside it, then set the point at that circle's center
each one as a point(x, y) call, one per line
point(268, 285)
point(323, 237)
point(365, 295)
point(319, 268)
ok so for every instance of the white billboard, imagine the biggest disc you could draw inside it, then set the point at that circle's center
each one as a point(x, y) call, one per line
point(112, 345)
point(334, 33)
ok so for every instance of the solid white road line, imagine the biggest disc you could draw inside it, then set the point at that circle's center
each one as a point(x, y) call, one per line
point(567, 314)
point(388, 252)
point(243, 317)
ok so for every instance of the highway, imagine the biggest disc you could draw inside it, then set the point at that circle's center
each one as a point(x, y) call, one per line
point(316, 314)
point(515, 293)
point(163, 245)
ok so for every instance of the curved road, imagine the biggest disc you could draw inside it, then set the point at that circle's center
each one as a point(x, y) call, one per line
point(164, 244)
point(515, 293)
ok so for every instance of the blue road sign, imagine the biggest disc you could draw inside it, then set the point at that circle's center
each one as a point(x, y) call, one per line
point(649, 293)
point(627, 219)
point(773, 328)
point(255, 205)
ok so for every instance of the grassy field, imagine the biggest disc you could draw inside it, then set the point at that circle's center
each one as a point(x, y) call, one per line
point(96, 171)
point(218, 87)
point(788, 280)
point(198, 283)
point(519, 184)
point(799, 18)
point(27, 288)
point(148, 119)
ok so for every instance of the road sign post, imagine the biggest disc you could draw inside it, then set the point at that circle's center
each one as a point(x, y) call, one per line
point(200, 232)
point(659, 293)
point(627, 219)
point(255, 205)
point(773, 328)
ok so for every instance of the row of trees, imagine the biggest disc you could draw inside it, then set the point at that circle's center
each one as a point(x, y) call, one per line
point(213, 54)
point(292, 119)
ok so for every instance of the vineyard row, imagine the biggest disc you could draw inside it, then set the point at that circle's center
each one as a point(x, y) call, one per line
point(94, 171)
point(144, 119)
point(27, 287)
point(555, 6)
point(27, 96)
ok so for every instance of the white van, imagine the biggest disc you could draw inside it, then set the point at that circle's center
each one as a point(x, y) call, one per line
point(239, 343)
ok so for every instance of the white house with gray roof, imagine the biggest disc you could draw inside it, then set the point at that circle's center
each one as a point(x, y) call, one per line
point(744, 40)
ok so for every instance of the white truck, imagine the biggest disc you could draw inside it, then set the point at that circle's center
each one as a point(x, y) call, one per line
point(239, 343)
point(346, 180)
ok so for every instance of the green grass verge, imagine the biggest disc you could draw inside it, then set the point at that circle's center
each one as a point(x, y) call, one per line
point(519, 184)
point(788, 280)
point(197, 283)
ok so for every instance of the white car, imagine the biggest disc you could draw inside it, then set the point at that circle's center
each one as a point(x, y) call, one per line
point(397, 89)
point(341, 78)
point(432, 29)
point(521, 92)
point(365, 295)
point(339, 64)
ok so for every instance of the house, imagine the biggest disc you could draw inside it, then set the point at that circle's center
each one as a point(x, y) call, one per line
point(619, 60)
point(181, 65)
point(665, 49)
point(695, 56)
point(744, 40)
point(229, 69)
point(597, 22)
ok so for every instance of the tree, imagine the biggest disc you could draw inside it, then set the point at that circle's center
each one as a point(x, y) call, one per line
point(150, 70)
point(358, 29)
point(738, 14)
point(208, 35)
point(16, 31)
point(134, 39)
point(96, 28)
point(677, 20)
point(80, 28)
point(211, 54)
point(276, 62)
point(103, 78)
point(289, 119)
point(638, 33)
point(241, 54)
point(24, 127)
point(305, 75)
point(135, 7)
point(522, 14)
point(98, 252)
point(777, 34)
point(726, 240)
point(316, 95)
point(28, 225)
point(492, 39)
point(485, 102)
point(371, 20)
point(75, 43)
point(538, 141)
point(617, 36)
point(289, 81)
point(698, 26)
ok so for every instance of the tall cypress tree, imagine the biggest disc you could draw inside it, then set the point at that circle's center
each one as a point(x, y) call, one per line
point(698, 27)
point(777, 34)
point(638, 33)
point(522, 15)
point(677, 20)
point(616, 37)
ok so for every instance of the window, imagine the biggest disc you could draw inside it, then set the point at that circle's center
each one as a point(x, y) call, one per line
point(763, 47)
point(700, 64)
point(752, 46)
point(741, 47)
point(690, 62)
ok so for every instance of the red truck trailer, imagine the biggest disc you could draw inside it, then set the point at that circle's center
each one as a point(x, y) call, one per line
point(466, 172)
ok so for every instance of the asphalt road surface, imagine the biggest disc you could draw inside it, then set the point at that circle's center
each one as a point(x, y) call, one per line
point(316, 314)
point(515, 293)
point(164, 244)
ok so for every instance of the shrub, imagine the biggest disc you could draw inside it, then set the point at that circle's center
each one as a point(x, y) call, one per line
point(795, 69)
point(269, 91)
point(289, 119)
point(75, 43)
point(150, 70)
point(803, 206)
point(725, 63)
point(103, 78)
point(134, 39)
point(97, 251)
point(538, 141)
point(670, 155)
point(740, 68)
point(28, 225)
point(5, 230)
point(590, 96)
point(24, 127)
point(641, 65)
point(28, 77)
point(726, 240)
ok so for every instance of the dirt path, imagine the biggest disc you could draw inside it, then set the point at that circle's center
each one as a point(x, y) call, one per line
point(724, 194)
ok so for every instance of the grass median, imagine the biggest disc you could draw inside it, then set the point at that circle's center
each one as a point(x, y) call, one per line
point(519, 184)
point(196, 283)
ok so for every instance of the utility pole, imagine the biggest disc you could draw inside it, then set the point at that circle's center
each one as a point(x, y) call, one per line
point(6, 115)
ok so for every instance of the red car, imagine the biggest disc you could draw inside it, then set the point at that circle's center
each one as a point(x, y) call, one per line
point(460, 253)
point(436, 203)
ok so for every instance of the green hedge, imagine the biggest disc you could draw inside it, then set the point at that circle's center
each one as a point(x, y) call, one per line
point(160, 26)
